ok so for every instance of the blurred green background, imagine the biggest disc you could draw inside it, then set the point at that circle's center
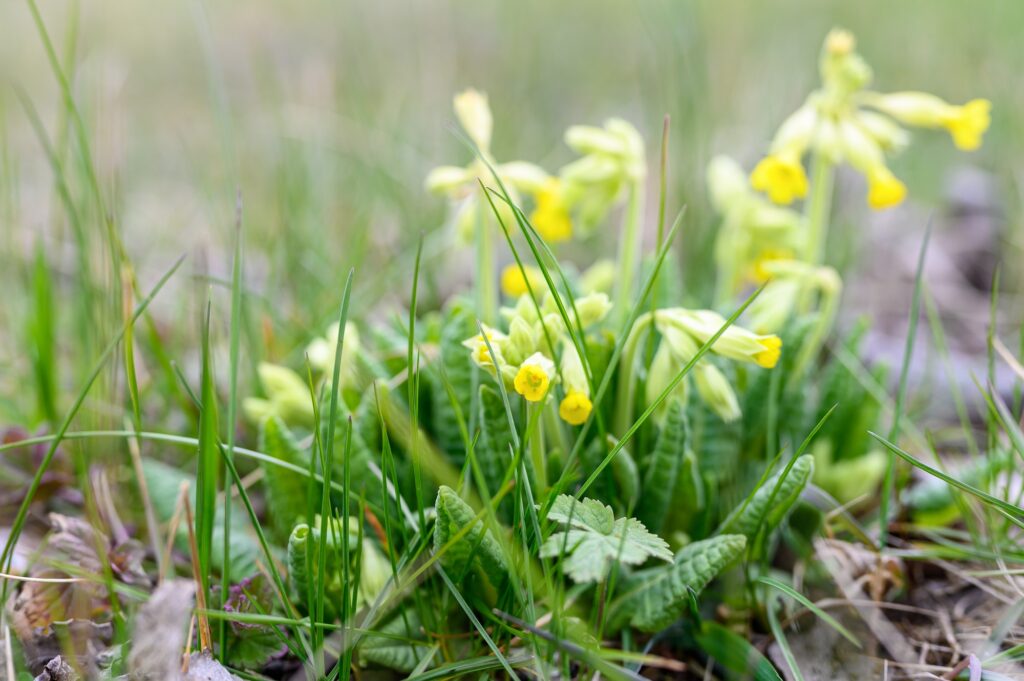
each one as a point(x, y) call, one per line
point(326, 116)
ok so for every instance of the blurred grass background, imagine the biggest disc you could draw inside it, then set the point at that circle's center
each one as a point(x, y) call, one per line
point(327, 116)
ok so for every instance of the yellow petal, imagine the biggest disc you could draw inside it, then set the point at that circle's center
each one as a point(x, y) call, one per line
point(781, 176)
point(769, 357)
point(885, 189)
point(575, 408)
point(967, 123)
point(514, 280)
point(531, 382)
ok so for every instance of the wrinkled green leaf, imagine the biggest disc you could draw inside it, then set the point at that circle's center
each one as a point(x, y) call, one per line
point(594, 539)
point(769, 506)
point(653, 599)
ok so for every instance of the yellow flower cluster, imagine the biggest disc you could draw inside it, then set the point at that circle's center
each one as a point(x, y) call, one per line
point(843, 121)
point(524, 360)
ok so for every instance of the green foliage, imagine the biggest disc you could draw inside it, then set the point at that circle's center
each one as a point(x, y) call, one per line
point(287, 491)
point(165, 482)
point(735, 654)
point(393, 648)
point(652, 599)
point(474, 551)
point(458, 372)
point(662, 468)
point(619, 483)
point(770, 501)
point(304, 546)
point(594, 539)
point(494, 448)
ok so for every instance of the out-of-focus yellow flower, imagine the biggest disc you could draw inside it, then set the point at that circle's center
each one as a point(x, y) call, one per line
point(769, 356)
point(966, 123)
point(551, 216)
point(575, 408)
point(781, 176)
point(474, 114)
point(760, 270)
point(735, 342)
point(534, 377)
point(461, 185)
point(716, 391)
point(884, 189)
point(517, 281)
point(837, 125)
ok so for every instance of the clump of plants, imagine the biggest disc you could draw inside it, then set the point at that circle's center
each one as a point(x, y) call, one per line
point(568, 470)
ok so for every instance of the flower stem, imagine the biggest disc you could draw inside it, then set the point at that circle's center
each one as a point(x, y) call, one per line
point(819, 209)
point(627, 381)
point(537, 452)
point(486, 277)
point(629, 252)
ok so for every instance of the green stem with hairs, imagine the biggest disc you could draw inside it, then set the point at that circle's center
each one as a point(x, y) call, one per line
point(819, 209)
point(627, 381)
point(629, 253)
point(486, 275)
point(537, 451)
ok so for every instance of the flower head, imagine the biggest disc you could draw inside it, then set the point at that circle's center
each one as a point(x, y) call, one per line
point(884, 189)
point(551, 216)
point(967, 123)
point(781, 176)
point(534, 377)
point(575, 408)
point(517, 281)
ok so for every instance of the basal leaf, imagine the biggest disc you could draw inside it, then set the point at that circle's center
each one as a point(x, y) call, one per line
point(653, 599)
point(663, 469)
point(768, 506)
point(477, 548)
point(593, 539)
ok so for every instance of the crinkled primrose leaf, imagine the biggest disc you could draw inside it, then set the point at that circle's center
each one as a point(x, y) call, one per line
point(475, 548)
point(595, 539)
point(653, 599)
point(768, 506)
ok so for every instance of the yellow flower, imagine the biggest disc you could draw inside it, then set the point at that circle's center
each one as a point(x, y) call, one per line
point(769, 357)
point(781, 176)
point(760, 270)
point(514, 280)
point(575, 408)
point(534, 377)
point(884, 189)
point(551, 218)
point(967, 123)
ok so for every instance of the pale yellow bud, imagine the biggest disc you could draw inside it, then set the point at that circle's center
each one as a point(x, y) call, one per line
point(474, 113)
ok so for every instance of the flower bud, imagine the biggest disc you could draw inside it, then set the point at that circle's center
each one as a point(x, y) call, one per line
point(716, 391)
point(474, 113)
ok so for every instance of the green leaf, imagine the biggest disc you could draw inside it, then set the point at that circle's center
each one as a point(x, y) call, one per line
point(164, 483)
point(208, 461)
point(594, 539)
point(663, 468)
point(655, 598)
point(287, 491)
point(493, 450)
point(390, 646)
point(734, 653)
point(768, 506)
point(477, 548)
point(458, 372)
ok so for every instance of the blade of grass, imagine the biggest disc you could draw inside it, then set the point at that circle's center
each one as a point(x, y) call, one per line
point(18, 522)
point(908, 350)
point(207, 463)
point(807, 603)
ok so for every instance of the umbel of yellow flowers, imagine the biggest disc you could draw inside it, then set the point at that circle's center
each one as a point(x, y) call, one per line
point(845, 122)
point(550, 217)
point(525, 362)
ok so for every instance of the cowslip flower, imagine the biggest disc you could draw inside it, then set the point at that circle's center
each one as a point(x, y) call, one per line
point(321, 353)
point(753, 229)
point(287, 396)
point(576, 406)
point(734, 343)
point(461, 185)
point(612, 160)
point(534, 377)
point(551, 216)
point(517, 281)
point(843, 121)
